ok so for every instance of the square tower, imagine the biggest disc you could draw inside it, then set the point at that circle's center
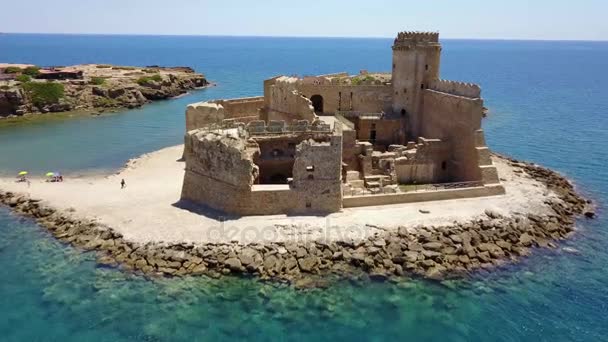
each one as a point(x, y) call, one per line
point(416, 59)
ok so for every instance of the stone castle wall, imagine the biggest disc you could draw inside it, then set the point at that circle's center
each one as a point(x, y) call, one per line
point(221, 172)
point(361, 98)
point(455, 120)
point(201, 114)
point(456, 88)
point(426, 165)
point(284, 102)
point(387, 131)
point(242, 108)
point(317, 175)
point(226, 159)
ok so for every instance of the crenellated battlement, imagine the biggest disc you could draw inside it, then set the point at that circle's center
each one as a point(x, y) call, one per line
point(407, 38)
point(456, 88)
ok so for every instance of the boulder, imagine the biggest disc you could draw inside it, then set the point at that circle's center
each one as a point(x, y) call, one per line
point(526, 240)
point(380, 243)
point(433, 246)
point(435, 273)
point(234, 264)
point(411, 256)
point(493, 214)
point(308, 264)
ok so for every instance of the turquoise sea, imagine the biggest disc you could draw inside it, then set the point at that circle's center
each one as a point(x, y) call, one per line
point(548, 102)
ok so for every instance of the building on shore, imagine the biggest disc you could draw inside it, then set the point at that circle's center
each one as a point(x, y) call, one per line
point(319, 144)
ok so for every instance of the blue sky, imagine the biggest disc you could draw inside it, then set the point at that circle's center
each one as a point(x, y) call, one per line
point(506, 19)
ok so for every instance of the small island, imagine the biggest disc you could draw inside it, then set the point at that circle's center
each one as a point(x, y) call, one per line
point(369, 176)
point(29, 89)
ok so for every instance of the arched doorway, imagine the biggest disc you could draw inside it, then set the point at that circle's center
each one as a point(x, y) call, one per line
point(317, 103)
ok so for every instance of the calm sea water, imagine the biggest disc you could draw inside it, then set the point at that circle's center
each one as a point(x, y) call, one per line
point(549, 104)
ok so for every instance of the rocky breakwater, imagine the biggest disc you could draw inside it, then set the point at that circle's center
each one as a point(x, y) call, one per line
point(91, 87)
point(431, 252)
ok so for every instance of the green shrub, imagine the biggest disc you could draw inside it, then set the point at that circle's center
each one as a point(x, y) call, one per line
point(148, 79)
point(12, 70)
point(5, 87)
point(32, 71)
point(124, 68)
point(23, 78)
point(98, 80)
point(44, 93)
point(103, 66)
point(361, 79)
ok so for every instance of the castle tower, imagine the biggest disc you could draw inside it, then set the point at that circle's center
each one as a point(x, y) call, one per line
point(416, 59)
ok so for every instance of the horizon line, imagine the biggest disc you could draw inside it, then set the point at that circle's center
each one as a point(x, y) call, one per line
point(287, 36)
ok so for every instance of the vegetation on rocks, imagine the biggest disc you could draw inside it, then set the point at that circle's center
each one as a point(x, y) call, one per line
point(142, 81)
point(31, 71)
point(362, 79)
point(43, 93)
point(23, 78)
point(12, 70)
point(96, 87)
point(98, 80)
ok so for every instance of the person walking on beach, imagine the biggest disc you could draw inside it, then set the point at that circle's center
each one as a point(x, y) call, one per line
point(123, 184)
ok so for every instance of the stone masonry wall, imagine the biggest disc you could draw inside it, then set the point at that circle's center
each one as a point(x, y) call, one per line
point(242, 107)
point(456, 88)
point(201, 114)
point(426, 166)
point(284, 102)
point(317, 175)
point(387, 131)
point(455, 120)
point(220, 172)
point(361, 98)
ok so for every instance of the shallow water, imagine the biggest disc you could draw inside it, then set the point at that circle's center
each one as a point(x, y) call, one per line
point(548, 104)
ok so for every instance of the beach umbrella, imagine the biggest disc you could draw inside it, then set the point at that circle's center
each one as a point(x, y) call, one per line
point(50, 174)
point(22, 173)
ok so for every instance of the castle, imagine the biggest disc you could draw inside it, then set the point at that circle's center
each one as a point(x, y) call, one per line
point(323, 143)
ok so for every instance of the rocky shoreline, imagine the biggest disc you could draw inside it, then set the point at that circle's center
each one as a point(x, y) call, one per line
point(93, 87)
point(430, 252)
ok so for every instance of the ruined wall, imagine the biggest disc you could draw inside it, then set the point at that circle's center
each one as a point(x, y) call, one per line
point(242, 108)
point(455, 120)
point(387, 131)
point(361, 98)
point(285, 103)
point(220, 174)
point(427, 164)
point(317, 175)
point(276, 158)
point(350, 149)
point(201, 114)
point(227, 158)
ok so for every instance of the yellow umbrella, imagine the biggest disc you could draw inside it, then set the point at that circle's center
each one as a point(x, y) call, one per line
point(50, 174)
point(22, 173)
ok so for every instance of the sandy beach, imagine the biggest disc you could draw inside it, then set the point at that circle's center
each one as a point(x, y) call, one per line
point(148, 209)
